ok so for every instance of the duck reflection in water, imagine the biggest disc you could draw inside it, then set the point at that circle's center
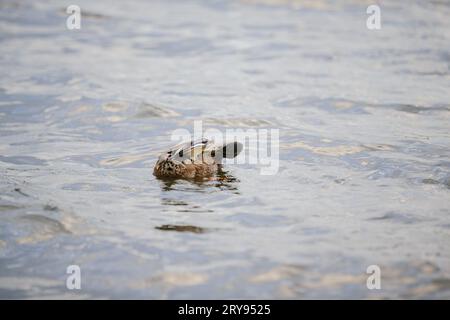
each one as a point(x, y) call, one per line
point(222, 180)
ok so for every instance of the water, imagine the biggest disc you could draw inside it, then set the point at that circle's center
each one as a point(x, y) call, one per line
point(364, 176)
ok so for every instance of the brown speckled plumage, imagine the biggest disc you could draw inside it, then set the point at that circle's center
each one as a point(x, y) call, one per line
point(195, 159)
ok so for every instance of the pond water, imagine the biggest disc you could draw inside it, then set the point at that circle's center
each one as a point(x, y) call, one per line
point(364, 171)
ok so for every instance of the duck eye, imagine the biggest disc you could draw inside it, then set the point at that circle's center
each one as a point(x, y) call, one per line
point(180, 153)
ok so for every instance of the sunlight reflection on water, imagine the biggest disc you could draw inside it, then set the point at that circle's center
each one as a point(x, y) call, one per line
point(364, 149)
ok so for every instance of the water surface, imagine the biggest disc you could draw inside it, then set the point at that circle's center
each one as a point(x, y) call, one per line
point(364, 175)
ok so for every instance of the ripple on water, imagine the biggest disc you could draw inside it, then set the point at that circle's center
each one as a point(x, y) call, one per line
point(181, 228)
point(23, 160)
point(364, 170)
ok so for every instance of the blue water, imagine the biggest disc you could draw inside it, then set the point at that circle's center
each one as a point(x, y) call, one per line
point(364, 173)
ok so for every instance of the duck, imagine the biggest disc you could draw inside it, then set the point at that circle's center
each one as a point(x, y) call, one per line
point(195, 159)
